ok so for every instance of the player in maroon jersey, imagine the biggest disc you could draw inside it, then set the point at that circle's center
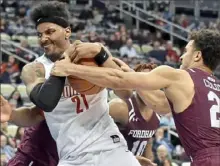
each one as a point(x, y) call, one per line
point(193, 92)
point(37, 147)
point(136, 121)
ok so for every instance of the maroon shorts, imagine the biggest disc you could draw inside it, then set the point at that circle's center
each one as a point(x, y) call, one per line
point(207, 157)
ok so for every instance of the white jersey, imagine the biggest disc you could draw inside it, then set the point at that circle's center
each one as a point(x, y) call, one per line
point(81, 123)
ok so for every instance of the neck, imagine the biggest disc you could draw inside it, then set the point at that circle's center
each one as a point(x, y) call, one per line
point(205, 69)
point(145, 111)
point(141, 105)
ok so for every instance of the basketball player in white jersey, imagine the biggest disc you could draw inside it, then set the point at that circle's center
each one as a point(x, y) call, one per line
point(86, 138)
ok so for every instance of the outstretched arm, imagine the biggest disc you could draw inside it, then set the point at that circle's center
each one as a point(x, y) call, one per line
point(159, 78)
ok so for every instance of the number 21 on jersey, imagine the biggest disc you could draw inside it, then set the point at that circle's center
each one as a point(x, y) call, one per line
point(79, 100)
point(214, 110)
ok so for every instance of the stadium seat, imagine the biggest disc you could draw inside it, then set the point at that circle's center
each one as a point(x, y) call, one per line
point(5, 36)
point(20, 38)
point(12, 130)
point(146, 48)
point(33, 41)
point(137, 48)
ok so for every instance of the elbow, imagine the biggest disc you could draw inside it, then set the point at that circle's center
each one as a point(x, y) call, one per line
point(45, 105)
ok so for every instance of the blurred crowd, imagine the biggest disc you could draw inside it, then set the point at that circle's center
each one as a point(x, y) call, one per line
point(93, 24)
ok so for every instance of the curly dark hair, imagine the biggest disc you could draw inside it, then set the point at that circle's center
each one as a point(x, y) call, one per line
point(49, 9)
point(208, 42)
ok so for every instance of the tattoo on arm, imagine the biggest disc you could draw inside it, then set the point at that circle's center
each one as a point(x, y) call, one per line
point(39, 70)
point(32, 74)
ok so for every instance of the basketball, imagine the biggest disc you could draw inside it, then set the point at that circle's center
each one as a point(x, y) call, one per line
point(83, 86)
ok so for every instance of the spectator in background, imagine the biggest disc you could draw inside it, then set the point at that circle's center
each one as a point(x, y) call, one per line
point(93, 37)
point(171, 56)
point(135, 35)
point(113, 43)
point(22, 53)
point(123, 40)
point(4, 131)
point(145, 37)
point(21, 12)
point(10, 71)
point(183, 21)
point(97, 17)
point(89, 27)
point(167, 121)
point(86, 13)
point(6, 150)
point(128, 50)
point(3, 25)
point(122, 29)
point(111, 17)
point(162, 157)
point(161, 140)
point(16, 96)
point(157, 55)
point(19, 135)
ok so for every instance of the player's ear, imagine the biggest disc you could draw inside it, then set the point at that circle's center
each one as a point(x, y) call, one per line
point(67, 32)
point(197, 56)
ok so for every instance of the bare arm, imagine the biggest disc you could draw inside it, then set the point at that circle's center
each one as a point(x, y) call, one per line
point(159, 78)
point(118, 110)
point(109, 63)
point(156, 100)
point(26, 116)
point(148, 153)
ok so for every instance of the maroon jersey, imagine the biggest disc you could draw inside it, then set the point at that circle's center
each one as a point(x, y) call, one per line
point(199, 125)
point(39, 145)
point(138, 131)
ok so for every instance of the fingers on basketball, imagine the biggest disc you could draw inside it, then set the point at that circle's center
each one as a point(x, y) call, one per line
point(83, 86)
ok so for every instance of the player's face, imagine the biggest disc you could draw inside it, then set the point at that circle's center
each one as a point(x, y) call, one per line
point(53, 39)
point(189, 56)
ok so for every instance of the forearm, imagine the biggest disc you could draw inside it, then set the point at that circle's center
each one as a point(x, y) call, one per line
point(148, 153)
point(161, 77)
point(26, 116)
point(156, 100)
point(103, 77)
point(123, 94)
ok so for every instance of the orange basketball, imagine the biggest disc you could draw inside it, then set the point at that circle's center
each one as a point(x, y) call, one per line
point(83, 86)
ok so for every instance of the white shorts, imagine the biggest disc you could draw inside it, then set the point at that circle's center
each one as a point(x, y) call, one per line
point(117, 157)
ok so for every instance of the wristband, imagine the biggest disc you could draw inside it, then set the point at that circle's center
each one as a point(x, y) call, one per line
point(101, 57)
